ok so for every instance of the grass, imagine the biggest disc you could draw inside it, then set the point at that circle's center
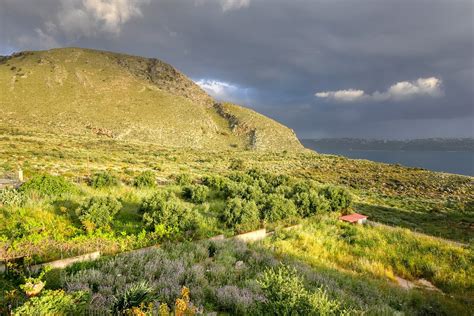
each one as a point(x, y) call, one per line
point(385, 252)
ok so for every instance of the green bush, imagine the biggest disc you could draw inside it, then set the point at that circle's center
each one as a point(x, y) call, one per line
point(145, 179)
point(48, 185)
point(55, 302)
point(165, 213)
point(183, 179)
point(98, 212)
point(196, 193)
point(310, 203)
point(12, 197)
point(103, 180)
point(287, 295)
point(242, 190)
point(237, 164)
point(339, 198)
point(240, 214)
point(133, 296)
point(215, 182)
point(276, 207)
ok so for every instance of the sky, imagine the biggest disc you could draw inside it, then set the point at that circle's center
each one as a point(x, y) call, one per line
point(395, 69)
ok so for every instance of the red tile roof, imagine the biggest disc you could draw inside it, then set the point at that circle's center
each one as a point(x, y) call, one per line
point(352, 218)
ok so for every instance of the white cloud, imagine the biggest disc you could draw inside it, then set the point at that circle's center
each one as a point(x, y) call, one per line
point(342, 95)
point(113, 13)
point(227, 5)
point(403, 90)
point(225, 91)
point(84, 18)
point(218, 89)
point(423, 86)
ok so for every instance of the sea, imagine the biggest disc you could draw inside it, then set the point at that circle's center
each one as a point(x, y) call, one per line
point(457, 162)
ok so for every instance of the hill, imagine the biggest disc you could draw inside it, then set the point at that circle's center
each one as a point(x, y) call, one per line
point(87, 92)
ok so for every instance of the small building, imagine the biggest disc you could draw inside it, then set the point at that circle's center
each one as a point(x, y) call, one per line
point(354, 218)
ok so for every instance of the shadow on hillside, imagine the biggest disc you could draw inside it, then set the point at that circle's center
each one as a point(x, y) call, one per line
point(454, 226)
point(129, 219)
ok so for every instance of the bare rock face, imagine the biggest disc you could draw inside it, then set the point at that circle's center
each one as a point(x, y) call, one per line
point(164, 76)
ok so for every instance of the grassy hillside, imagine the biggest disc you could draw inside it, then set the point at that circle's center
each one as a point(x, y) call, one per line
point(356, 268)
point(109, 95)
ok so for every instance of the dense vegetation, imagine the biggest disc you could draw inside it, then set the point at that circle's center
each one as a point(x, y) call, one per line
point(121, 196)
point(268, 277)
point(78, 216)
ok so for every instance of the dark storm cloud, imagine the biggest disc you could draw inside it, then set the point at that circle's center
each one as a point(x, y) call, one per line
point(274, 55)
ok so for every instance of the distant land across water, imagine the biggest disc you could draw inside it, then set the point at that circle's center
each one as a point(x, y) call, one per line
point(437, 154)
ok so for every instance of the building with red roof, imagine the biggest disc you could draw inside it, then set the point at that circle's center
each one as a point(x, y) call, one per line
point(354, 218)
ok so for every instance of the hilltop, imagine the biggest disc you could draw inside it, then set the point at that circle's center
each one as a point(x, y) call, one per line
point(102, 94)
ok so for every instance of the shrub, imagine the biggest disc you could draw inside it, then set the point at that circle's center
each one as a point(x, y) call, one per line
point(240, 301)
point(34, 285)
point(237, 164)
point(215, 182)
point(48, 185)
point(135, 295)
point(55, 302)
point(166, 214)
point(183, 179)
point(243, 190)
point(145, 179)
point(103, 180)
point(12, 197)
point(339, 198)
point(277, 207)
point(310, 203)
point(286, 295)
point(240, 214)
point(196, 193)
point(98, 212)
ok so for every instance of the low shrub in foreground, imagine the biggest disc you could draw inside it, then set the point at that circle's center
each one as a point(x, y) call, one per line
point(214, 283)
point(98, 212)
point(135, 295)
point(47, 185)
point(12, 197)
point(55, 302)
point(287, 295)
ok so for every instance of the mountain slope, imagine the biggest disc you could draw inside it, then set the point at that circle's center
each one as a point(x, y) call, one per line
point(104, 94)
